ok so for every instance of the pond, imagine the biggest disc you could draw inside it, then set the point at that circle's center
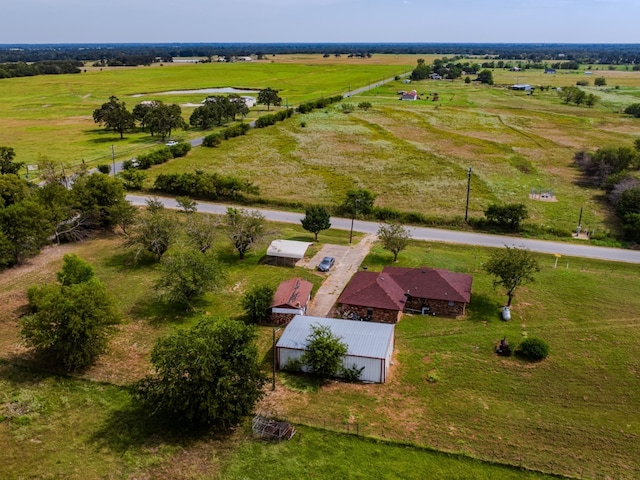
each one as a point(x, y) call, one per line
point(200, 90)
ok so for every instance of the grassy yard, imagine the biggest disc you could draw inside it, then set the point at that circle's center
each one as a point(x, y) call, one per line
point(572, 414)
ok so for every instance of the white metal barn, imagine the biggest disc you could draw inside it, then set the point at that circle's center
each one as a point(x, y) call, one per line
point(369, 344)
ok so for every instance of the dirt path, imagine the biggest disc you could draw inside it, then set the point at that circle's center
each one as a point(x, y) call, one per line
point(327, 295)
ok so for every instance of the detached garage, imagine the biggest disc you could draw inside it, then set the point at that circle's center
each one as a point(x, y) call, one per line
point(369, 345)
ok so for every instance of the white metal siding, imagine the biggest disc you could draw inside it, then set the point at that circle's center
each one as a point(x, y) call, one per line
point(375, 369)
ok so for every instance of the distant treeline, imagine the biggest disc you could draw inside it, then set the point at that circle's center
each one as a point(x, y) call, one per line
point(617, 54)
point(47, 67)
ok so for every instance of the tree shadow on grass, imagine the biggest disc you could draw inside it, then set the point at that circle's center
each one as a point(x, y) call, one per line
point(483, 308)
point(127, 260)
point(159, 313)
point(131, 427)
point(301, 382)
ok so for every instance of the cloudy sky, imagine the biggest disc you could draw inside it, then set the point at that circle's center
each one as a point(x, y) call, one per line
point(120, 21)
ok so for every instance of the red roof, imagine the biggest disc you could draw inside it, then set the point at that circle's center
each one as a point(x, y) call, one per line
point(374, 290)
point(294, 293)
point(387, 289)
point(433, 283)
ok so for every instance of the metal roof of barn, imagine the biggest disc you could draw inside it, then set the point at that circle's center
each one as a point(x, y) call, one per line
point(287, 249)
point(363, 339)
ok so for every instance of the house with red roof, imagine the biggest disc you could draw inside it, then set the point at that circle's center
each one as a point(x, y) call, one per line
point(291, 298)
point(384, 296)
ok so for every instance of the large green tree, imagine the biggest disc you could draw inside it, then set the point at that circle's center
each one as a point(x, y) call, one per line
point(316, 219)
point(163, 119)
point(115, 116)
point(394, 237)
point(209, 374)
point(154, 232)
point(26, 227)
point(512, 267)
point(485, 76)
point(358, 201)
point(7, 165)
point(186, 275)
point(257, 302)
point(268, 97)
point(508, 216)
point(244, 228)
point(73, 320)
point(324, 352)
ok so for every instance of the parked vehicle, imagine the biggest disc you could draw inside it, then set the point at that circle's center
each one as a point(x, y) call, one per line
point(171, 143)
point(506, 313)
point(326, 264)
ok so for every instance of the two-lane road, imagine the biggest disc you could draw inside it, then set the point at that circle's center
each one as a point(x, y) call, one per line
point(432, 234)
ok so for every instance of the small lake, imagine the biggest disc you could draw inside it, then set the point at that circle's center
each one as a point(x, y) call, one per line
point(200, 90)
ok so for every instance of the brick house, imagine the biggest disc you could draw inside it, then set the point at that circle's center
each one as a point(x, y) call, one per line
point(384, 296)
point(292, 298)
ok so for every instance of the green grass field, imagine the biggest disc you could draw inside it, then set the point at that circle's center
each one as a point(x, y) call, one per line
point(573, 414)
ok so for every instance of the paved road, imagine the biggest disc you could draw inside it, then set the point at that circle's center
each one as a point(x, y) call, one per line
point(434, 234)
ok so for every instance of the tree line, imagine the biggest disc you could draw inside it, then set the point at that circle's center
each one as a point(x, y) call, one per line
point(45, 67)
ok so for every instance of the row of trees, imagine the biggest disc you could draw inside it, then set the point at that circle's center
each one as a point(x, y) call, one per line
point(578, 96)
point(154, 116)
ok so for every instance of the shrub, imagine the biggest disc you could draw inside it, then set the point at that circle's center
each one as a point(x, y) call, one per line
point(364, 106)
point(347, 107)
point(257, 302)
point(132, 179)
point(212, 140)
point(235, 131)
point(106, 169)
point(293, 365)
point(582, 83)
point(265, 121)
point(386, 213)
point(352, 374)
point(633, 109)
point(180, 149)
point(534, 349)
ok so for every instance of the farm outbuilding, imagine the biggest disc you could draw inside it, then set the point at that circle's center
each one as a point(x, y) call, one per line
point(292, 298)
point(369, 345)
point(287, 252)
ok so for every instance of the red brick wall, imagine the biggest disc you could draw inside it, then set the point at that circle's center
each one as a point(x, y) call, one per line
point(379, 315)
point(440, 307)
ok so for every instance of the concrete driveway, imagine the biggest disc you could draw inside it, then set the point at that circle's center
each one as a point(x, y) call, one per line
point(348, 260)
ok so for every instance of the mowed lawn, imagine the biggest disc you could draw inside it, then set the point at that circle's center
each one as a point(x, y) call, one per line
point(573, 414)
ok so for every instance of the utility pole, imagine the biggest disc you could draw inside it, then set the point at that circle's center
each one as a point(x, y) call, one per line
point(355, 214)
point(466, 210)
point(113, 160)
point(273, 384)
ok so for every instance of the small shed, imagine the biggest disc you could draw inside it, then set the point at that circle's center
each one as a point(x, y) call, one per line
point(411, 96)
point(292, 298)
point(287, 252)
point(369, 345)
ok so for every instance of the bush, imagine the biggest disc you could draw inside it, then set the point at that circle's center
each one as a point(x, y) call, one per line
point(235, 131)
point(212, 140)
point(582, 83)
point(352, 374)
point(347, 107)
point(534, 349)
point(364, 106)
point(106, 169)
point(257, 302)
point(180, 149)
point(633, 109)
point(386, 213)
point(265, 121)
point(293, 365)
point(132, 179)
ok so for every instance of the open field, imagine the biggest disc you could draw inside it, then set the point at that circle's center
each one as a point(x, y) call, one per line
point(51, 115)
point(574, 413)
point(415, 155)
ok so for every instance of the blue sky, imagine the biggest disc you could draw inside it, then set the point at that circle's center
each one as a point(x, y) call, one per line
point(119, 21)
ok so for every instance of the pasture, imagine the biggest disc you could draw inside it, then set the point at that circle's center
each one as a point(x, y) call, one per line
point(573, 414)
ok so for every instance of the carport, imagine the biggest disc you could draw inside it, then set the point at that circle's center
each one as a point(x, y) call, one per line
point(287, 252)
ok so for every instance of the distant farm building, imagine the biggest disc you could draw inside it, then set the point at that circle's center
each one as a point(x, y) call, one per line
point(292, 298)
point(522, 87)
point(286, 252)
point(411, 96)
point(384, 296)
point(435, 76)
point(369, 345)
point(551, 71)
point(515, 69)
